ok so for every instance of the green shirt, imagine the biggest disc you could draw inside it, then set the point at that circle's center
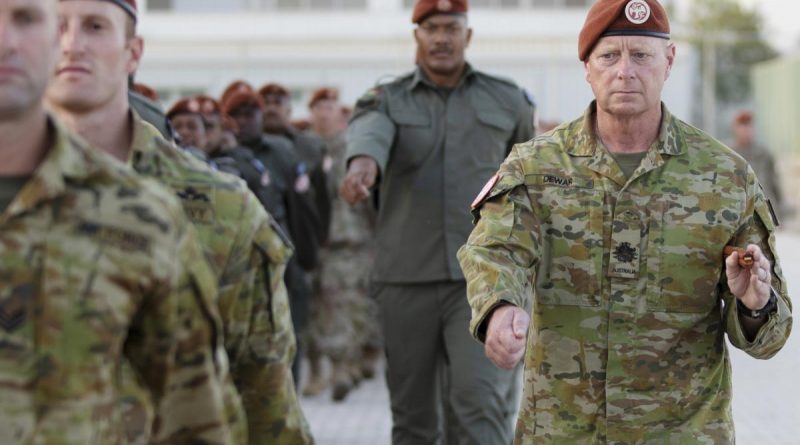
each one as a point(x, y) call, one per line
point(9, 187)
point(435, 151)
point(628, 162)
point(631, 307)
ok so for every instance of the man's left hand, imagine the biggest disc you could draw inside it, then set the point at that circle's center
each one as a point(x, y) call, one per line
point(750, 285)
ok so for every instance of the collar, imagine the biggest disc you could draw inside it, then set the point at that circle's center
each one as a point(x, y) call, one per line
point(585, 142)
point(144, 137)
point(420, 77)
point(69, 159)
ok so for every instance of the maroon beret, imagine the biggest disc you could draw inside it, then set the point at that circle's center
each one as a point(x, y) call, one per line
point(187, 105)
point(622, 18)
point(208, 105)
point(234, 87)
point(743, 117)
point(146, 91)
point(323, 94)
point(240, 99)
point(273, 89)
point(426, 8)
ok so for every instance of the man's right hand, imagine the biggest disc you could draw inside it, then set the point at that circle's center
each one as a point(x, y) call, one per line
point(506, 336)
point(361, 176)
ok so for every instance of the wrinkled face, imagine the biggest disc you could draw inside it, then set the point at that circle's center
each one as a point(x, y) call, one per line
point(250, 123)
point(28, 46)
point(191, 129)
point(442, 41)
point(98, 53)
point(326, 114)
point(277, 112)
point(627, 73)
point(214, 130)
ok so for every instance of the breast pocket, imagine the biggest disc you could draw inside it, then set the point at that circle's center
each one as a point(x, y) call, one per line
point(572, 253)
point(685, 261)
point(91, 300)
point(495, 129)
point(414, 138)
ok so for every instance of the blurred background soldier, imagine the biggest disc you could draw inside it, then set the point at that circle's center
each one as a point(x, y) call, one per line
point(308, 148)
point(344, 324)
point(433, 137)
point(289, 199)
point(88, 285)
point(760, 158)
point(185, 119)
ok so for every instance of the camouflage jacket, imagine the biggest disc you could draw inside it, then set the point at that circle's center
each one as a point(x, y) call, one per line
point(626, 280)
point(350, 226)
point(99, 268)
point(248, 254)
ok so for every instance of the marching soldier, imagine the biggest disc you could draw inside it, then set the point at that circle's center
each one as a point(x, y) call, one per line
point(100, 271)
point(432, 138)
point(241, 243)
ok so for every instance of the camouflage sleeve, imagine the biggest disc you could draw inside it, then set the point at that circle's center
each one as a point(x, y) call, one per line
point(263, 372)
point(499, 257)
point(759, 228)
point(177, 352)
point(371, 131)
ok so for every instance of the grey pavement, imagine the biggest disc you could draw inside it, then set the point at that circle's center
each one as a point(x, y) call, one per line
point(765, 393)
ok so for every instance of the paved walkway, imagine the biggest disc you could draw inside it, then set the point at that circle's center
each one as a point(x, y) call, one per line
point(766, 393)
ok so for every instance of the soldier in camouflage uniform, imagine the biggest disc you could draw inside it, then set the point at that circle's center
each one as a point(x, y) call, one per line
point(760, 158)
point(242, 244)
point(613, 227)
point(99, 271)
point(344, 320)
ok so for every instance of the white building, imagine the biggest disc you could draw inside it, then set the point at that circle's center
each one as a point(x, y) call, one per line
point(202, 45)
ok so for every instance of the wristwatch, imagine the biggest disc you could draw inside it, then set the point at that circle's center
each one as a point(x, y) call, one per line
point(769, 308)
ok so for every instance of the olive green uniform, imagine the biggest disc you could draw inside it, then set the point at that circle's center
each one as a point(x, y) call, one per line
point(435, 147)
point(631, 304)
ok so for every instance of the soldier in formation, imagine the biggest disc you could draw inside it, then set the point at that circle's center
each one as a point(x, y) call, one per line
point(101, 273)
point(600, 256)
point(429, 140)
point(344, 318)
point(241, 243)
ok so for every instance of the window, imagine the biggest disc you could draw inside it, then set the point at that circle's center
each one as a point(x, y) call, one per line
point(518, 4)
point(254, 5)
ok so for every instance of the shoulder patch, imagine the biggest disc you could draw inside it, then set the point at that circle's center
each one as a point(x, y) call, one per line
point(370, 99)
point(485, 191)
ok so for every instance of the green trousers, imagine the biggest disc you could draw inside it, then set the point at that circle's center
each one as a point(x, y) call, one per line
point(438, 376)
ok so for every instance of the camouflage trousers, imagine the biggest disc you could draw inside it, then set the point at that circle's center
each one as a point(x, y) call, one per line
point(344, 318)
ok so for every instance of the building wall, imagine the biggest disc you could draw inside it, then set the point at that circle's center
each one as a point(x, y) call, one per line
point(202, 45)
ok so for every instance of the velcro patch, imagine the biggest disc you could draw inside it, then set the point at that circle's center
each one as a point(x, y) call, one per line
point(485, 191)
point(113, 236)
